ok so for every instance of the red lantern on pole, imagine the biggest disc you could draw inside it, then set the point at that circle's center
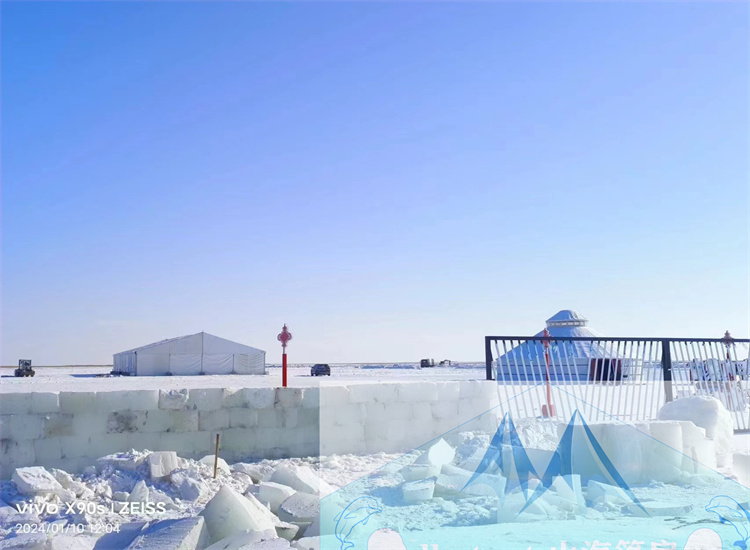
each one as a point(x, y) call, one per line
point(548, 410)
point(284, 337)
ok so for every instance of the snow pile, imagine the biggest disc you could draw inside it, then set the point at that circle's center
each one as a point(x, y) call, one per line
point(173, 502)
point(143, 500)
point(709, 414)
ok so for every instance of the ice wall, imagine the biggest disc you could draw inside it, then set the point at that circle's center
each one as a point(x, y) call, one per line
point(68, 430)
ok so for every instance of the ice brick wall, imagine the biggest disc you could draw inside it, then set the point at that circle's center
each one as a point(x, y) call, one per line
point(68, 430)
point(371, 418)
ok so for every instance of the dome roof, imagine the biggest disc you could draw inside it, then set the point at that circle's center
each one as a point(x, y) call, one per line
point(563, 324)
point(567, 318)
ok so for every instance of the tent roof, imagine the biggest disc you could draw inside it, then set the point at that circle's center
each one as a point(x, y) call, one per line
point(202, 335)
point(567, 317)
point(563, 324)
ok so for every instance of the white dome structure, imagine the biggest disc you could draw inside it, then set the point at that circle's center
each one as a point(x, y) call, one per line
point(527, 358)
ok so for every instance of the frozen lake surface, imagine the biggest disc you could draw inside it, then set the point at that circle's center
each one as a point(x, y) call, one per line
point(95, 378)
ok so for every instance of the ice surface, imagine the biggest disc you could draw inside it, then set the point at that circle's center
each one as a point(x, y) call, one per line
point(418, 491)
point(35, 480)
point(604, 493)
point(664, 455)
point(72, 542)
point(307, 543)
point(26, 541)
point(162, 464)
point(173, 399)
point(286, 530)
point(172, 534)
point(452, 480)
point(300, 508)
point(274, 494)
point(414, 472)
point(275, 544)
point(241, 539)
point(301, 478)
point(508, 511)
point(139, 493)
point(122, 461)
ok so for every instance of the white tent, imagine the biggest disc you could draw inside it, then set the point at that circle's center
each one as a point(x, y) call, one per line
point(200, 353)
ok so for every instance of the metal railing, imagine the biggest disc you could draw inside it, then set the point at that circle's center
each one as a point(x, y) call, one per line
point(626, 378)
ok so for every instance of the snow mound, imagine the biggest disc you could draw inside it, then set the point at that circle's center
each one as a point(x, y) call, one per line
point(707, 413)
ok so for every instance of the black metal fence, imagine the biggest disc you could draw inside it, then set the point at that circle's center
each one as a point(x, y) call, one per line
point(626, 378)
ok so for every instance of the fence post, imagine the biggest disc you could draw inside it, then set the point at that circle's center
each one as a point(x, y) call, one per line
point(666, 367)
point(488, 357)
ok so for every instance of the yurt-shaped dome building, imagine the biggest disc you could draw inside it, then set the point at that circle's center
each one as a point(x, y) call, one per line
point(568, 359)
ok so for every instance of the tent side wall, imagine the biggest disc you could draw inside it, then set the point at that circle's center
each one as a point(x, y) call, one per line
point(191, 355)
point(250, 363)
point(124, 363)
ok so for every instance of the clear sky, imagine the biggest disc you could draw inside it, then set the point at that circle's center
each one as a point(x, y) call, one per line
point(393, 180)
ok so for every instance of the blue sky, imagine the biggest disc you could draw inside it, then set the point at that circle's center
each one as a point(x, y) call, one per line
point(393, 180)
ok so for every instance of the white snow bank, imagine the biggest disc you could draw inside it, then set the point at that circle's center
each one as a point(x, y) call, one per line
point(710, 414)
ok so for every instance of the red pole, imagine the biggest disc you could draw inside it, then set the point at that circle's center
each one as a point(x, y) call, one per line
point(283, 369)
point(548, 410)
point(284, 338)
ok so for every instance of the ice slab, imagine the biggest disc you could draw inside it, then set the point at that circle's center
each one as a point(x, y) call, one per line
point(302, 479)
point(708, 413)
point(172, 534)
point(139, 493)
point(452, 480)
point(121, 461)
point(606, 494)
point(241, 539)
point(437, 454)
point(419, 491)
point(161, 464)
point(229, 513)
point(35, 480)
point(300, 508)
point(415, 472)
point(25, 541)
point(257, 472)
point(273, 494)
point(307, 543)
point(65, 541)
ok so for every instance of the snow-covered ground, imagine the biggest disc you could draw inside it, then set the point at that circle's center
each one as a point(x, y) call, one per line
point(449, 520)
point(111, 485)
point(97, 378)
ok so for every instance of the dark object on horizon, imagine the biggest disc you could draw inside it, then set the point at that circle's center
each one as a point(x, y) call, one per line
point(426, 363)
point(24, 368)
point(320, 369)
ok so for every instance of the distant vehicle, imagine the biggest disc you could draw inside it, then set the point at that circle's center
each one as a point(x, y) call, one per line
point(426, 363)
point(24, 368)
point(320, 369)
point(445, 363)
